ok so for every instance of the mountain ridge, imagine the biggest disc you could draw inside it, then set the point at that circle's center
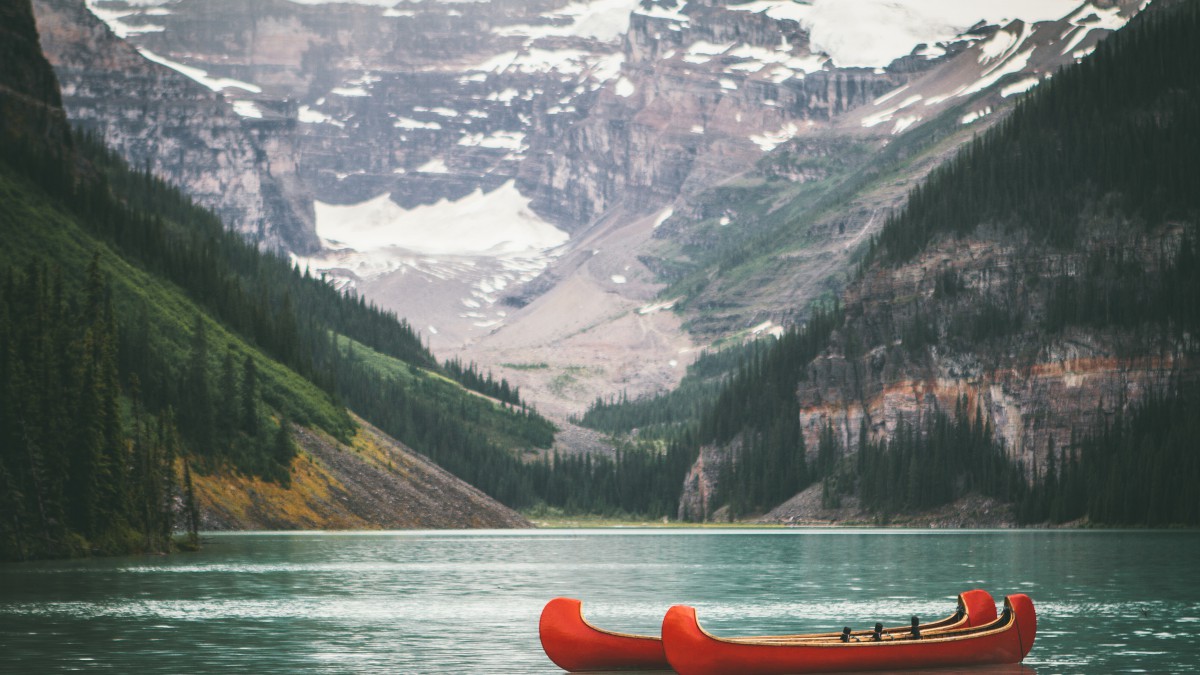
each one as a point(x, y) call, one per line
point(544, 95)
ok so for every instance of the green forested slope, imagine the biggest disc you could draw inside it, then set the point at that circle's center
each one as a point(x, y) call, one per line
point(204, 326)
point(1099, 165)
point(140, 341)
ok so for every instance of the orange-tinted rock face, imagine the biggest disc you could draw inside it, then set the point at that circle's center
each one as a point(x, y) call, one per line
point(1034, 384)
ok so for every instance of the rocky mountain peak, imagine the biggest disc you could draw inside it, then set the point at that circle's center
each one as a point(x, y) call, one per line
point(452, 152)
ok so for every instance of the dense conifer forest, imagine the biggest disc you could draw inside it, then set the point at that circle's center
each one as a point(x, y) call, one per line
point(1116, 135)
point(83, 465)
point(1100, 159)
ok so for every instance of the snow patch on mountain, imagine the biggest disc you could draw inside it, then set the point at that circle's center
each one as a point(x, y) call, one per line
point(976, 115)
point(495, 223)
point(873, 33)
point(247, 109)
point(1010, 55)
point(769, 140)
point(605, 20)
point(887, 114)
point(309, 115)
point(674, 14)
point(513, 141)
point(758, 58)
point(1019, 87)
point(114, 17)
point(201, 76)
point(538, 60)
point(435, 165)
point(409, 123)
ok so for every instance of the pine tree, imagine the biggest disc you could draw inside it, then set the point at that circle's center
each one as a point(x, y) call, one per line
point(283, 451)
point(249, 407)
point(191, 508)
point(198, 393)
point(227, 403)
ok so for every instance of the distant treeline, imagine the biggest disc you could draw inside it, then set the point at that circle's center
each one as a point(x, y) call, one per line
point(638, 481)
point(474, 379)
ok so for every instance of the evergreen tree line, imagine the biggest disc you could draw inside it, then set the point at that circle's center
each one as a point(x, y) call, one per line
point(663, 416)
point(933, 461)
point(770, 466)
point(472, 378)
point(1117, 289)
point(748, 392)
point(83, 466)
point(223, 418)
point(1118, 133)
point(1141, 468)
point(1112, 139)
point(762, 392)
point(463, 434)
point(637, 481)
point(452, 429)
point(259, 295)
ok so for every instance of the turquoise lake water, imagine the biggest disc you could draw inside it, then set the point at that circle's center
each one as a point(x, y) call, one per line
point(468, 602)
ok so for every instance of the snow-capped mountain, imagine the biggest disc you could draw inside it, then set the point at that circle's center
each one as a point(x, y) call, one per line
point(455, 151)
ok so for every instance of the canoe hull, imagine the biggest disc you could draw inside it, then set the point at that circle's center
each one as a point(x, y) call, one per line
point(692, 651)
point(577, 646)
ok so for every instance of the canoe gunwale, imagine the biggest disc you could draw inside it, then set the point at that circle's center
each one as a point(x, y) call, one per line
point(960, 620)
point(1005, 622)
point(605, 631)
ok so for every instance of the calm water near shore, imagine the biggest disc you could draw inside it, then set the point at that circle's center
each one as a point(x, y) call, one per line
point(451, 602)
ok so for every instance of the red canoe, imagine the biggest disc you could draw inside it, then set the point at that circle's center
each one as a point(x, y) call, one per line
point(575, 645)
point(692, 651)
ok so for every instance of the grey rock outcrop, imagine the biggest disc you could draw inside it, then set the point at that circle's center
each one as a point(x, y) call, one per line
point(243, 169)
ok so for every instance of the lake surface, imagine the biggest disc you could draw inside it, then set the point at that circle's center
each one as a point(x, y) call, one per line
point(455, 602)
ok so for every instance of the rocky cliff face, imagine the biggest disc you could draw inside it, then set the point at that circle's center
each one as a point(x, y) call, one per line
point(418, 114)
point(754, 251)
point(1035, 388)
point(451, 149)
point(704, 91)
point(243, 169)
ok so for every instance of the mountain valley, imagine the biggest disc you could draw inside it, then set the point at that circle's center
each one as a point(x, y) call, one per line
point(564, 146)
point(469, 263)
